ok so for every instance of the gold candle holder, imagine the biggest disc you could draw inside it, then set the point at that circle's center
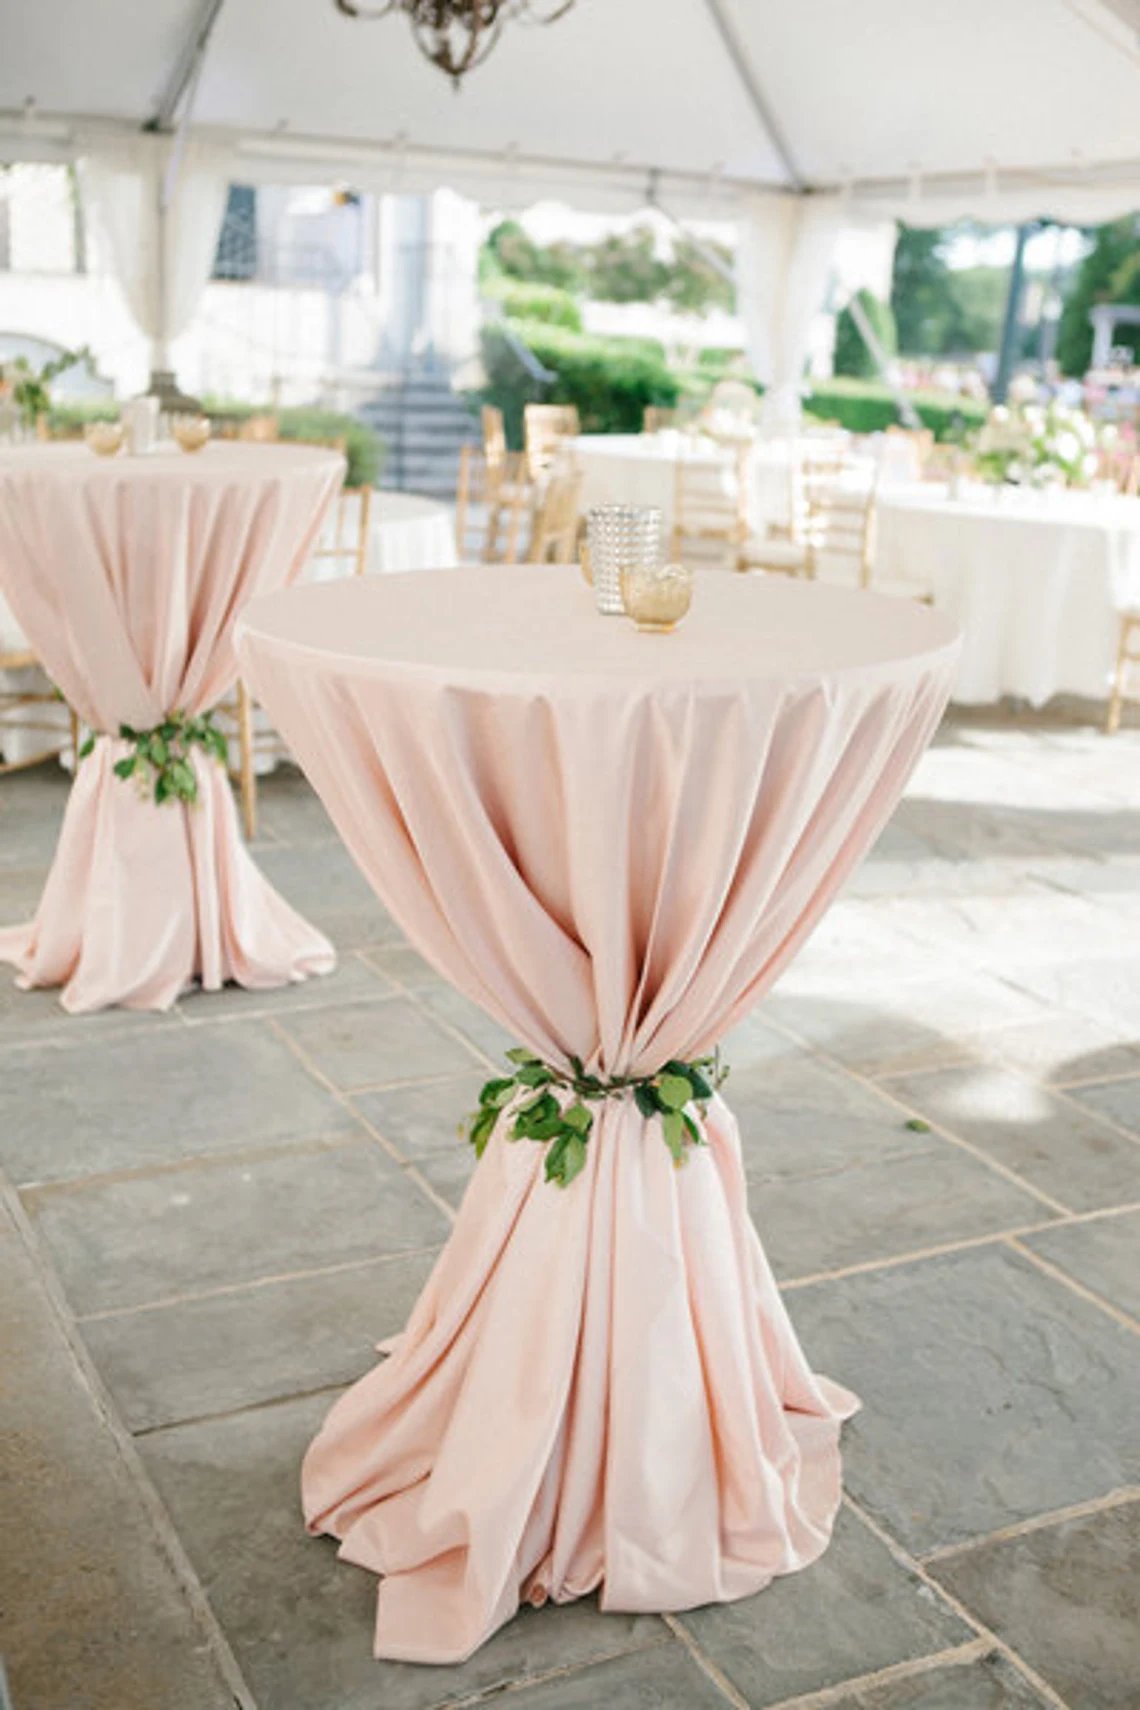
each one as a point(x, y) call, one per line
point(104, 438)
point(191, 432)
point(657, 596)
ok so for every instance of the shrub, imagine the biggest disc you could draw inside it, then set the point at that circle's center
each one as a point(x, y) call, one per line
point(610, 380)
point(363, 446)
point(529, 302)
point(868, 407)
point(851, 354)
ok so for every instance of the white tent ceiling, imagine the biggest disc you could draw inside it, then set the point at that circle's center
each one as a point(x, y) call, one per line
point(988, 102)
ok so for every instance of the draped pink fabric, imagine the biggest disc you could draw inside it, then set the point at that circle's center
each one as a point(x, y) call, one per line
point(127, 577)
point(614, 843)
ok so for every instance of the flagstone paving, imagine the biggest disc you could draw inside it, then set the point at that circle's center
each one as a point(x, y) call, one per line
point(211, 1217)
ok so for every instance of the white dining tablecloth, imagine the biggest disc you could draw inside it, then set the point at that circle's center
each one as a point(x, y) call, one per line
point(411, 533)
point(639, 469)
point(1035, 580)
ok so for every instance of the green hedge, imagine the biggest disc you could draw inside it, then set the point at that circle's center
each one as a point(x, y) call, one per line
point(610, 380)
point(526, 302)
point(866, 406)
point(363, 446)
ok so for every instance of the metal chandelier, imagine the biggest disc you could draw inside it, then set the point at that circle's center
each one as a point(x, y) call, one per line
point(457, 35)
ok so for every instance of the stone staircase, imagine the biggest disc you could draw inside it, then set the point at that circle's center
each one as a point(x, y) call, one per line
point(423, 424)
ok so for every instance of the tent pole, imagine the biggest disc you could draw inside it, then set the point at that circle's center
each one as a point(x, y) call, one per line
point(181, 90)
point(1007, 352)
point(187, 66)
point(908, 415)
point(743, 67)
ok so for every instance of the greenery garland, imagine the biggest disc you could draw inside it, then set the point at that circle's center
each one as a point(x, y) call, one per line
point(565, 1125)
point(162, 756)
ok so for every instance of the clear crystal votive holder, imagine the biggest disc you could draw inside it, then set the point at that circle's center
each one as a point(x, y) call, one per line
point(621, 538)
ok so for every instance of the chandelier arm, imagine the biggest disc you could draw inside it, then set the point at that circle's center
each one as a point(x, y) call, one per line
point(455, 35)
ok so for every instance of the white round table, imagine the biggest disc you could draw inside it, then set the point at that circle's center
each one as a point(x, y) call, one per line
point(638, 469)
point(411, 533)
point(1035, 580)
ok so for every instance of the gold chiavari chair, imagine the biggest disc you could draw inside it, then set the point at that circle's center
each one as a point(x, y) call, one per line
point(494, 434)
point(554, 536)
point(488, 496)
point(29, 707)
point(546, 429)
point(711, 526)
point(259, 430)
point(654, 419)
point(1122, 468)
point(1127, 668)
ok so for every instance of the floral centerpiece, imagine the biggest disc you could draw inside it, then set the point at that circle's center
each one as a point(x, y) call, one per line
point(28, 388)
point(1028, 443)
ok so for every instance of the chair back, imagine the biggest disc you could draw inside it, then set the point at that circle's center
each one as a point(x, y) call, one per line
point(710, 508)
point(492, 502)
point(262, 430)
point(837, 524)
point(554, 538)
point(494, 434)
point(546, 428)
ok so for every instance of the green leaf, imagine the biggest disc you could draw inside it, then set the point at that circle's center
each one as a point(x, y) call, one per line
point(124, 768)
point(87, 747)
point(578, 1118)
point(573, 1158)
point(917, 1125)
point(127, 733)
point(644, 1099)
point(701, 1088)
point(535, 1120)
point(168, 730)
point(520, 1054)
point(694, 1132)
point(157, 751)
point(673, 1127)
point(534, 1075)
point(674, 1091)
point(481, 1130)
point(161, 788)
point(497, 1093)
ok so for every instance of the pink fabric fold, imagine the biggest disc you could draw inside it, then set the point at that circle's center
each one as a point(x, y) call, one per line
point(615, 850)
point(127, 578)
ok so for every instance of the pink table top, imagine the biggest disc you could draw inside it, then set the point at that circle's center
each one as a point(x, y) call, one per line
point(514, 628)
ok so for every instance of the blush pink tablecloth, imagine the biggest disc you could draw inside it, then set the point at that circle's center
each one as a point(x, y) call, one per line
point(613, 842)
point(126, 576)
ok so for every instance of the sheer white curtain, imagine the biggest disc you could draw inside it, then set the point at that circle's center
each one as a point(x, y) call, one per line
point(785, 253)
point(162, 260)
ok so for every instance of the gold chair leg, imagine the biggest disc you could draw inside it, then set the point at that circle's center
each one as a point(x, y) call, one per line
point(247, 774)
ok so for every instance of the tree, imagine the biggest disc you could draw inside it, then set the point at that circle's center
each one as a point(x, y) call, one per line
point(625, 268)
point(851, 353)
point(920, 291)
point(695, 286)
point(1109, 273)
point(510, 250)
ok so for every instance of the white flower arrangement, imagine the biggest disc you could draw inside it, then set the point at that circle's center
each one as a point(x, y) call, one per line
point(1027, 443)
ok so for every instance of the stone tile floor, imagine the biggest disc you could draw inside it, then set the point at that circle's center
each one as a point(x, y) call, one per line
point(211, 1216)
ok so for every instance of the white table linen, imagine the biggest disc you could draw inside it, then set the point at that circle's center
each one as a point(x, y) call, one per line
point(1035, 580)
point(638, 469)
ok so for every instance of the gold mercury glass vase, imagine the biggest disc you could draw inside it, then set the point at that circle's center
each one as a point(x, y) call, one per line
point(657, 596)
